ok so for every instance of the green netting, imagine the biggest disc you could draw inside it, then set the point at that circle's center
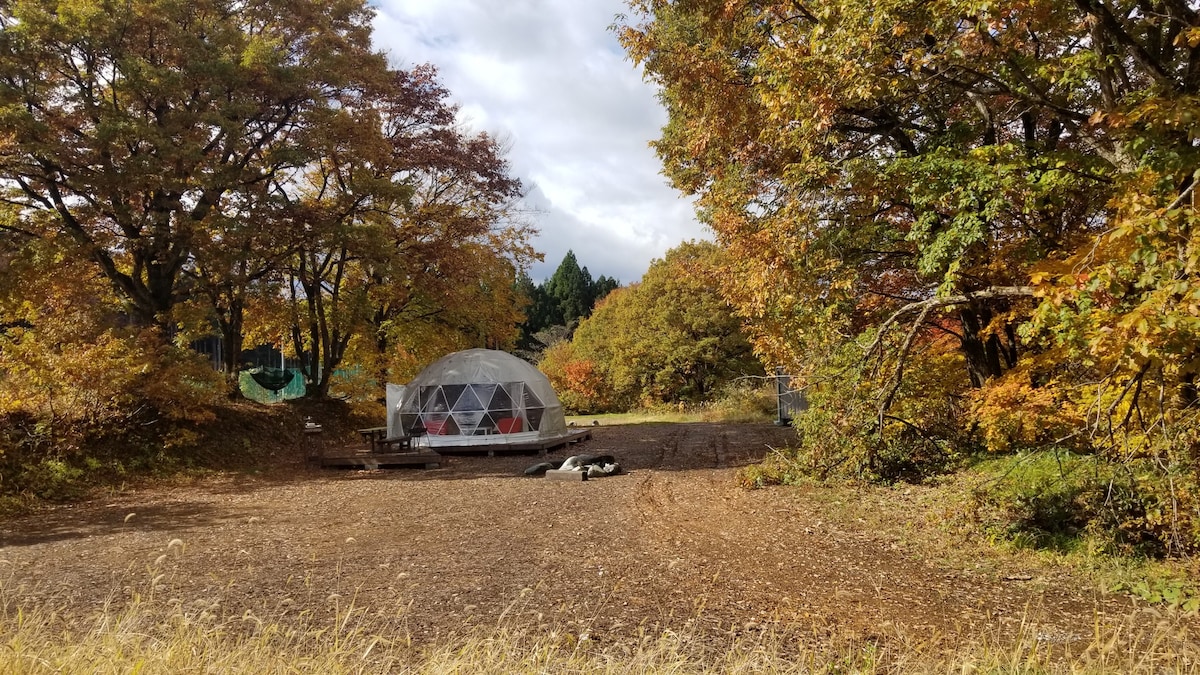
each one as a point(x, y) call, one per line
point(252, 388)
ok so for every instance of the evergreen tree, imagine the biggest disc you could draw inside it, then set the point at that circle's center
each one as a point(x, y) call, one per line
point(568, 290)
point(601, 288)
point(561, 301)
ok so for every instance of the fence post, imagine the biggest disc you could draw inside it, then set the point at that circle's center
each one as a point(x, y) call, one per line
point(781, 417)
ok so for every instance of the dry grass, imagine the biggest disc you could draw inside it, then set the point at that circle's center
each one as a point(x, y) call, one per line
point(147, 635)
point(941, 521)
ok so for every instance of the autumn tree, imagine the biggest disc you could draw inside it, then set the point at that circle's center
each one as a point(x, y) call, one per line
point(245, 262)
point(71, 371)
point(669, 338)
point(205, 153)
point(408, 221)
point(1015, 178)
point(898, 161)
point(142, 130)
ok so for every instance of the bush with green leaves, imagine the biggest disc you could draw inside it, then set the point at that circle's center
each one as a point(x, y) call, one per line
point(1061, 500)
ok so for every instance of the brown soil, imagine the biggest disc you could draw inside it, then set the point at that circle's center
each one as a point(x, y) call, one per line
point(672, 543)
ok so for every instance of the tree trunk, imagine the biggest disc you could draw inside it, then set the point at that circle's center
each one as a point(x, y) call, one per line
point(382, 346)
point(327, 341)
point(232, 338)
point(982, 355)
point(231, 348)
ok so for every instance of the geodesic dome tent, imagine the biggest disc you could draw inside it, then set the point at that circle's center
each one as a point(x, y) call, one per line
point(476, 397)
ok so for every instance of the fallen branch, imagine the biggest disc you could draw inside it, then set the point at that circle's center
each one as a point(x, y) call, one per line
point(925, 306)
point(898, 372)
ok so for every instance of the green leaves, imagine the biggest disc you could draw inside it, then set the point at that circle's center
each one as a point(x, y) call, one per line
point(668, 338)
point(890, 154)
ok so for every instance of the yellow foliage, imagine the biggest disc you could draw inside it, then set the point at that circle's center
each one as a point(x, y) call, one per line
point(1014, 415)
point(69, 364)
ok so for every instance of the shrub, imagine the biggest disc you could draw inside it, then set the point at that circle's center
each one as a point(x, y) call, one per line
point(581, 387)
point(778, 468)
point(1014, 415)
point(741, 401)
point(841, 433)
point(1061, 500)
point(64, 392)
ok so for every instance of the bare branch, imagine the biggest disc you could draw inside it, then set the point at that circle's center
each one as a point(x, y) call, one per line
point(950, 301)
point(901, 358)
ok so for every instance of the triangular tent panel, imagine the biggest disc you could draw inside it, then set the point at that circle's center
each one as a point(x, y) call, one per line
point(476, 397)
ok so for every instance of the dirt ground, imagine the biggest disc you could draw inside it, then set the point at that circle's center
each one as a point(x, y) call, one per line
point(672, 543)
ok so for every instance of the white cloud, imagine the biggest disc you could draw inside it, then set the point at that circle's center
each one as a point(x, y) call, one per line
point(550, 77)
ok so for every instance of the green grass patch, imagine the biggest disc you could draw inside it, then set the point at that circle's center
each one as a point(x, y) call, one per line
point(737, 404)
point(1081, 511)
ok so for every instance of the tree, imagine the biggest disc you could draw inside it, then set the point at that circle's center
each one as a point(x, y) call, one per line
point(601, 288)
point(871, 161)
point(669, 338)
point(243, 261)
point(1013, 179)
point(407, 222)
point(208, 156)
point(568, 291)
point(71, 371)
point(140, 130)
point(562, 300)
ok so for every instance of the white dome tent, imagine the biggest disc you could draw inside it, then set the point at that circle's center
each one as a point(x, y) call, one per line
point(477, 397)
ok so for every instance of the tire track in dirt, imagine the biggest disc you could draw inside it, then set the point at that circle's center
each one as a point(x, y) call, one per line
point(672, 544)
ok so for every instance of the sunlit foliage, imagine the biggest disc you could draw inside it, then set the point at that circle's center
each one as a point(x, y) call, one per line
point(1008, 184)
point(669, 338)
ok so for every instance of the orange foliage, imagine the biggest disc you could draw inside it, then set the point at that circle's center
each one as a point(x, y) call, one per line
point(1015, 415)
point(68, 364)
point(579, 382)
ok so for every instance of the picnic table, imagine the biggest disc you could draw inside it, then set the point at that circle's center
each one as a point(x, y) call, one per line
point(380, 442)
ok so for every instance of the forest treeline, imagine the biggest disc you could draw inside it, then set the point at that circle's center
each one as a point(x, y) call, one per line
point(177, 170)
point(969, 227)
point(669, 338)
point(556, 306)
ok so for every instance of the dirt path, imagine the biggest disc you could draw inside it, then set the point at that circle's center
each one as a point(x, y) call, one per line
point(672, 543)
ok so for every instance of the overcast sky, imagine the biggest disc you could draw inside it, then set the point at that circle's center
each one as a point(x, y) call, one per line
point(550, 77)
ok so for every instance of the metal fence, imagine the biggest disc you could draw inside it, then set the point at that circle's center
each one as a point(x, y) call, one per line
point(790, 401)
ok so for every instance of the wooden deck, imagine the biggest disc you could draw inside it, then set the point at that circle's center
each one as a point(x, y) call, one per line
point(377, 455)
point(377, 451)
point(540, 447)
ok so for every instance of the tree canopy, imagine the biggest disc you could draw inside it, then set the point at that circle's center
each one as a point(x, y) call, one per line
point(254, 170)
point(1008, 184)
point(669, 338)
point(140, 130)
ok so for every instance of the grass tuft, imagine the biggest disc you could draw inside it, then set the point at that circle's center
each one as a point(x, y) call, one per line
point(139, 637)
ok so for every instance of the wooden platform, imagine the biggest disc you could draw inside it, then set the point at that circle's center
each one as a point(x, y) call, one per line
point(380, 460)
point(541, 447)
